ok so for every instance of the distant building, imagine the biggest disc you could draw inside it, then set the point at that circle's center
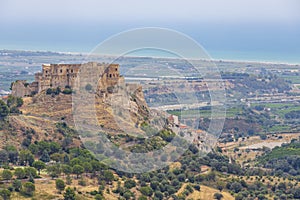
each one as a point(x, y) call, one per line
point(173, 119)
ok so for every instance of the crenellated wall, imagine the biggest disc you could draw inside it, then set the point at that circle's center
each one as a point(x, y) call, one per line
point(62, 75)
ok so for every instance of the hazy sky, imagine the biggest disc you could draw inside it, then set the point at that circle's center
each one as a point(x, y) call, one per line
point(219, 25)
point(232, 11)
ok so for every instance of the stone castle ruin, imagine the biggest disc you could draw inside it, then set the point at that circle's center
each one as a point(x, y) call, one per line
point(65, 75)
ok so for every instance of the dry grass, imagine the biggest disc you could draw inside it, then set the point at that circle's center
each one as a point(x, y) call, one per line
point(205, 193)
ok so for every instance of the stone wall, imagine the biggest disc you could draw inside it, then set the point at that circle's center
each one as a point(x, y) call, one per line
point(62, 75)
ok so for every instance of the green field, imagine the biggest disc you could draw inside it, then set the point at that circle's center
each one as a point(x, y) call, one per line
point(280, 109)
point(206, 113)
point(279, 128)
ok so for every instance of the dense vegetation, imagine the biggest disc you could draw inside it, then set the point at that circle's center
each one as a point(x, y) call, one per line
point(284, 160)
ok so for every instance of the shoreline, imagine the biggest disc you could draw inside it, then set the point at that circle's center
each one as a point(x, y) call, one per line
point(157, 57)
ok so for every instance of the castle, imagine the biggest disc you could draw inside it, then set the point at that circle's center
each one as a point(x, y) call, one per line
point(65, 75)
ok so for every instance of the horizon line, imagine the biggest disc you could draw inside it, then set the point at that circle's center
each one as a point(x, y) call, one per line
point(165, 57)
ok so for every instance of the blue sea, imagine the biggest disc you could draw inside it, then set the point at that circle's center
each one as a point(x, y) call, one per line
point(247, 42)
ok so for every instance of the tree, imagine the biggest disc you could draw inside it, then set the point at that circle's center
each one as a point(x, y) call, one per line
point(127, 194)
point(197, 187)
point(159, 195)
point(4, 110)
point(60, 185)
point(28, 188)
point(69, 194)
point(87, 167)
point(13, 101)
point(5, 194)
point(54, 170)
point(142, 198)
point(6, 174)
point(68, 180)
point(39, 165)
point(263, 136)
point(3, 156)
point(13, 154)
point(78, 170)
point(66, 169)
point(66, 159)
point(26, 158)
point(146, 190)
point(54, 147)
point(218, 196)
point(236, 187)
point(45, 156)
point(129, 184)
point(57, 157)
point(108, 176)
point(88, 87)
point(49, 91)
point(296, 193)
point(17, 185)
point(19, 173)
point(30, 172)
point(75, 161)
point(261, 197)
point(99, 197)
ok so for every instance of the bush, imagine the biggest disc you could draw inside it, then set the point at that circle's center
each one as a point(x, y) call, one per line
point(129, 184)
point(60, 185)
point(4, 110)
point(19, 173)
point(67, 91)
point(69, 194)
point(88, 87)
point(99, 197)
point(5, 194)
point(218, 196)
point(49, 91)
point(197, 187)
point(53, 91)
point(17, 185)
point(82, 182)
point(146, 190)
point(28, 189)
point(263, 137)
point(6, 174)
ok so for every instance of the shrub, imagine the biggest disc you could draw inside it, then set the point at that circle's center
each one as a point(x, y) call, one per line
point(129, 184)
point(67, 91)
point(28, 189)
point(5, 194)
point(146, 190)
point(88, 87)
point(19, 173)
point(218, 196)
point(60, 185)
point(6, 174)
point(82, 182)
point(69, 194)
point(17, 185)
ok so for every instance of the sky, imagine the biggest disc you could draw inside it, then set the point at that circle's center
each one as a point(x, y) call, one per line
point(231, 29)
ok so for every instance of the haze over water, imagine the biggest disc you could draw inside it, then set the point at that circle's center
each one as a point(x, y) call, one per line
point(232, 30)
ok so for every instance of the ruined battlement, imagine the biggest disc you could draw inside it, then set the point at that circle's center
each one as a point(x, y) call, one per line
point(65, 75)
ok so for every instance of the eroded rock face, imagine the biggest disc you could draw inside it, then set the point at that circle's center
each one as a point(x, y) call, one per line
point(119, 107)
